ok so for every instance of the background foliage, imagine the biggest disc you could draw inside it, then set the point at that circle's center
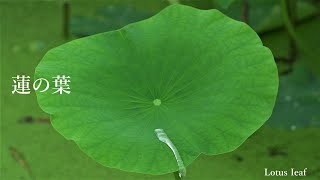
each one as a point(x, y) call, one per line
point(29, 28)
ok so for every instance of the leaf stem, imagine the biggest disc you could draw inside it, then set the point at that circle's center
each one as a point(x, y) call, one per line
point(162, 136)
point(245, 11)
point(176, 175)
point(289, 15)
point(286, 17)
point(66, 17)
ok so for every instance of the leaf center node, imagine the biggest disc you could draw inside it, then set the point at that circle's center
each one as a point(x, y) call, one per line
point(157, 102)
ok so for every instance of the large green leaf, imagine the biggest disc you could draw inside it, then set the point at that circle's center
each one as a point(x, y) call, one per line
point(216, 82)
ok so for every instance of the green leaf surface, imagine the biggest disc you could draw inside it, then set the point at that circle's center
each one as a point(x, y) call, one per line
point(216, 81)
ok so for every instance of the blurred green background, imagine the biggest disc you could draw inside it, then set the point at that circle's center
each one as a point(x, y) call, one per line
point(31, 149)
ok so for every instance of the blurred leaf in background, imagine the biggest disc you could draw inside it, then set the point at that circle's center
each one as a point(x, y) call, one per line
point(109, 18)
point(28, 30)
point(298, 101)
point(224, 3)
point(265, 15)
